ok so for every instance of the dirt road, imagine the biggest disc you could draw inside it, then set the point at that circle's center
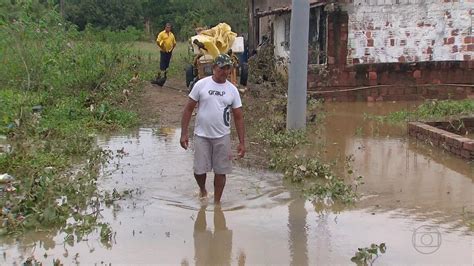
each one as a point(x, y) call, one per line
point(163, 105)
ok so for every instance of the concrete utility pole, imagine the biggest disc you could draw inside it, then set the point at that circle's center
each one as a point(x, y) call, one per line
point(297, 85)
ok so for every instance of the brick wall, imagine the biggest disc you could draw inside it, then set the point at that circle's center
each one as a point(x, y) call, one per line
point(383, 31)
point(397, 50)
point(401, 49)
point(436, 72)
point(458, 145)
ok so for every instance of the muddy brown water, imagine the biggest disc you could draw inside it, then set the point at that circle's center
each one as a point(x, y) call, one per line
point(415, 199)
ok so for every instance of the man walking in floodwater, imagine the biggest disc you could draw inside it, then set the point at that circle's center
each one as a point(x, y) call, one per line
point(217, 97)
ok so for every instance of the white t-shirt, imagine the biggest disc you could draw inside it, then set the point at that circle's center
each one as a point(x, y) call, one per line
point(215, 100)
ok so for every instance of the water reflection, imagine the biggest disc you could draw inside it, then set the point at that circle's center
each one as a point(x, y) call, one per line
point(212, 247)
point(298, 237)
point(398, 172)
point(441, 157)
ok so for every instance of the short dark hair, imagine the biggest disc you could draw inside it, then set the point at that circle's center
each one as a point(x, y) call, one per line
point(168, 24)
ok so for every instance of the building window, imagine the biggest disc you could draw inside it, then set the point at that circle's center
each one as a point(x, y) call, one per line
point(286, 43)
point(317, 36)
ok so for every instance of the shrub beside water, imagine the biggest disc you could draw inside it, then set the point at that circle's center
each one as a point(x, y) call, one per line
point(59, 87)
point(311, 174)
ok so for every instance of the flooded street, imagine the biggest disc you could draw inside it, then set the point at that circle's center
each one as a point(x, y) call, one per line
point(415, 199)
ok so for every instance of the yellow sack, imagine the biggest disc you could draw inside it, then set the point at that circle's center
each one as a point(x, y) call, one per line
point(216, 40)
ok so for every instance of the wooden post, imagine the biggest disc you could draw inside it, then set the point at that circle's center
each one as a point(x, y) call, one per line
point(233, 76)
point(252, 42)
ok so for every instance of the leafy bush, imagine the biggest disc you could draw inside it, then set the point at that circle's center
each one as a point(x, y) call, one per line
point(284, 139)
point(58, 89)
point(317, 179)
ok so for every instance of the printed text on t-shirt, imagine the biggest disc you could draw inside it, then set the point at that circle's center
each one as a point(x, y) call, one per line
point(217, 93)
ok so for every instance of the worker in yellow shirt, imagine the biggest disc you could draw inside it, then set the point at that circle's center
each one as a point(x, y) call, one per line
point(166, 42)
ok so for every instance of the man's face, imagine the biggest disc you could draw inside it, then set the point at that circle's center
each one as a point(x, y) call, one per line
point(168, 28)
point(221, 73)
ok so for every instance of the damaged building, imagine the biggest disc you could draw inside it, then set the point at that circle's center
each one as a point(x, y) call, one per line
point(377, 50)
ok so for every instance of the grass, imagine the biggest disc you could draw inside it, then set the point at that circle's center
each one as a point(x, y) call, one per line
point(433, 110)
point(75, 84)
point(150, 54)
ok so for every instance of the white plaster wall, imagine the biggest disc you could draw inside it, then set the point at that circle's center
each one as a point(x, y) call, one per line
point(264, 28)
point(279, 35)
point(410, 30)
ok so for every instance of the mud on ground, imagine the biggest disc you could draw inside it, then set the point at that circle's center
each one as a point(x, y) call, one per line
point(162, 105)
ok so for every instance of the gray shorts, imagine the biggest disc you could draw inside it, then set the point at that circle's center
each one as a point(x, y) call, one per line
point(212, 154)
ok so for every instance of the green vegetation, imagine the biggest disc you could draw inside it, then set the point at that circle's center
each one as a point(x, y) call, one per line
point(59, 88)
point(283, 149)
point(147, 16)
point(150, 55)
point(365, 256)
point(116, 15)
point(268, 70)
point(431, 110)
point(62, 84)
point(317, 180)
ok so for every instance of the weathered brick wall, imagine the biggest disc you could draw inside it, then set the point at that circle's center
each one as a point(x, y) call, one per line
point(382, 31)
point(373, 77)
point(380, 50)
point(458, 145)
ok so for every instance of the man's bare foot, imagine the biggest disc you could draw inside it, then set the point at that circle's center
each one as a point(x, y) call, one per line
point(203, 194)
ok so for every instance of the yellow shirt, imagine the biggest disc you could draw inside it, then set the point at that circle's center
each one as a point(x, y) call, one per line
point(166, 41)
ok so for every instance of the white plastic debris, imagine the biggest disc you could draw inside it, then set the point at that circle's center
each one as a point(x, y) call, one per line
point(49, 169)
point(4, 178)
point(5, 148)
point(5, 210)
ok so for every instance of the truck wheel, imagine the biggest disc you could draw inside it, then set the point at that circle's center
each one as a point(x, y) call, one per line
point(244, 73)
point(191, 84)
point(189, 74)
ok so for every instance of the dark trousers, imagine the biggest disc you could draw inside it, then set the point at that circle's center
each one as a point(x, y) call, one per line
point(165, 59)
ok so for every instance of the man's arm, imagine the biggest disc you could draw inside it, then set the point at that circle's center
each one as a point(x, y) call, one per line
point(239, 126)
point(174, 42)
point(187, 113)
point(159, 40)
